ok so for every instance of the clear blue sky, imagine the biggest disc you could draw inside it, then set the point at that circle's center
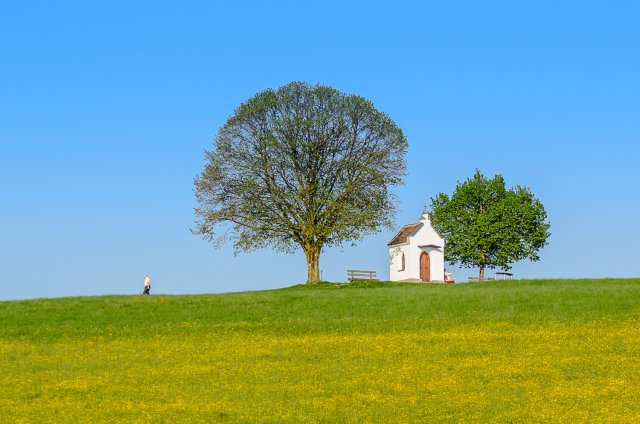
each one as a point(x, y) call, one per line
point(106, 109)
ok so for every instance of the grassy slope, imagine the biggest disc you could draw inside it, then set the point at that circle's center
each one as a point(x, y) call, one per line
point(523, 351)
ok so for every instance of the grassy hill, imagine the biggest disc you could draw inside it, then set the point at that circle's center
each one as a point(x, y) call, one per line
point(528, 351)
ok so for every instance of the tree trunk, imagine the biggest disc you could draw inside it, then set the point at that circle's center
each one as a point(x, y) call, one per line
point(313, 264)
point(481, 275)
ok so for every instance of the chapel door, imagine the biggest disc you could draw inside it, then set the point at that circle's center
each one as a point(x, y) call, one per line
point(425, 267)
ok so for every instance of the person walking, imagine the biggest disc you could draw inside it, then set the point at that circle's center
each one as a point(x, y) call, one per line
point(147, 284)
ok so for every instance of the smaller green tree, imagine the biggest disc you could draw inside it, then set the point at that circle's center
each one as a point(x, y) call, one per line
point(487, 226)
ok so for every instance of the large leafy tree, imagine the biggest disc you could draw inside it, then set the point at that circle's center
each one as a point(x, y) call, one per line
point(304, 166)
point(487, 226)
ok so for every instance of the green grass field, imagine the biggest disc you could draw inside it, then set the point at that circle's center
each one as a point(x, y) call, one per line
point(528, 351)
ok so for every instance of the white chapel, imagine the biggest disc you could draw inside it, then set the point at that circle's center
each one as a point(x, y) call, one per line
point(416, 253)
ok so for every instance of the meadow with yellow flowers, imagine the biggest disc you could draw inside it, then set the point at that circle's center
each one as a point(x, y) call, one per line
point(526, 351)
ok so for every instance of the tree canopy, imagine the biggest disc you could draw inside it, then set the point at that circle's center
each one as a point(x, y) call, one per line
point(487, 226)
point(304, 166)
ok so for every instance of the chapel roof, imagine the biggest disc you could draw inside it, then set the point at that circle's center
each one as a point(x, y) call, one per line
point(404, 233)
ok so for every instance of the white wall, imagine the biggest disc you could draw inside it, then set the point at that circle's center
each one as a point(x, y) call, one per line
point(425, 235)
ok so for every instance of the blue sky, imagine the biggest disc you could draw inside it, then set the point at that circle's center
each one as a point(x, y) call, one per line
point(106, 109)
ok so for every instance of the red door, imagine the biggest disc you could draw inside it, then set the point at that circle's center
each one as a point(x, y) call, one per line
point(425, 267)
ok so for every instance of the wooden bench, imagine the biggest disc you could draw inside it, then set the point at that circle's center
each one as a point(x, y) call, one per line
point(485, 279)
point(359, 275)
